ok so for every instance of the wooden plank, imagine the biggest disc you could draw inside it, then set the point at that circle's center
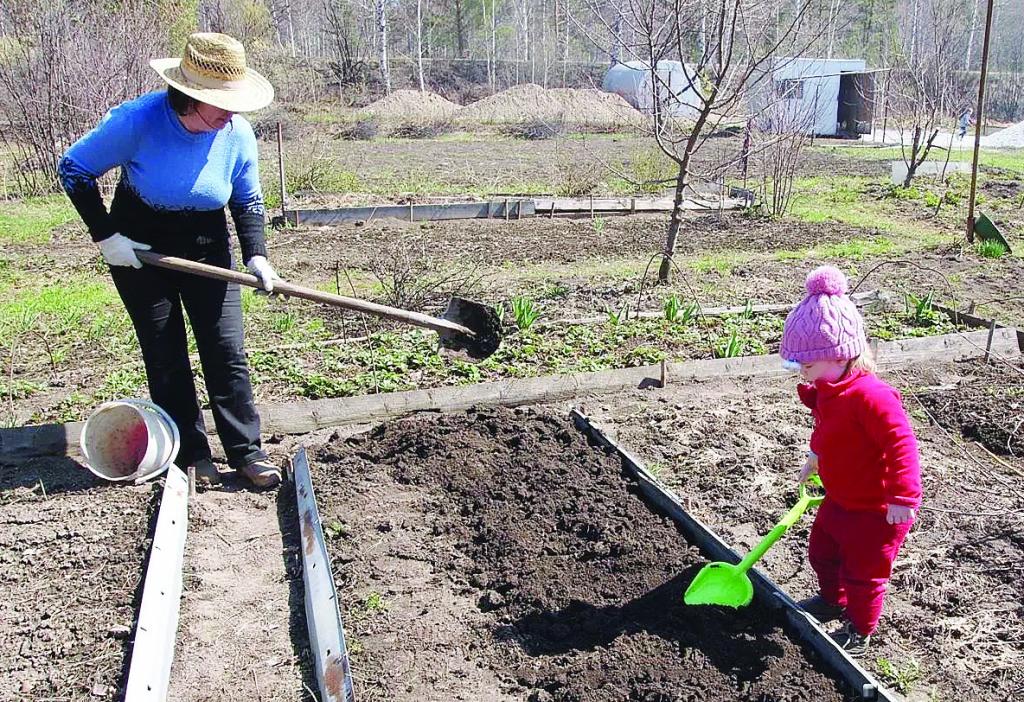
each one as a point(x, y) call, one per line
point(630, 205)
point(851, 672)
point(20, 443)
point(157, 627)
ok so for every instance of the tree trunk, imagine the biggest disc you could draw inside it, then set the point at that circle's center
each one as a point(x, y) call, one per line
point(617, 39)
point(382, 37)
point(970, 34)
point(682, 179)
point(460, 29)
point(419, 43)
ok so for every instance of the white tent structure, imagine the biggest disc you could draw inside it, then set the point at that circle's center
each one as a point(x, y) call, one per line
point(828, 97)
point(675, 88)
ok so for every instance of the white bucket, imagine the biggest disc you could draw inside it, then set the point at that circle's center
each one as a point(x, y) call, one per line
point(129, 440)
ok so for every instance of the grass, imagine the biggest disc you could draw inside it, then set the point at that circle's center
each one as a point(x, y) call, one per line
point(721, 262)
point(1011, 160)
point(991, 248)
point(903, 677)
point(32, 221)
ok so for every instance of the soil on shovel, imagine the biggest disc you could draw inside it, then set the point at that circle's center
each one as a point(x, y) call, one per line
point(71, 557)
point(496, 555)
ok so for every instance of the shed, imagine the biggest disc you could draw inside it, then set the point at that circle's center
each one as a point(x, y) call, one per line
point(676, 90)
point(833, 97)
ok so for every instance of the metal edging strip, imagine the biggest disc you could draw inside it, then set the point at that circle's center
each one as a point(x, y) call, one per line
point(157, 627)
point(323, 617)
point(859, 679)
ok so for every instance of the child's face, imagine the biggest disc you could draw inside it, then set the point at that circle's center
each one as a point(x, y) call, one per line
point(828, 371)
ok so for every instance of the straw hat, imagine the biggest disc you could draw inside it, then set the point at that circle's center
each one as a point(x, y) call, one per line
point(213, 71)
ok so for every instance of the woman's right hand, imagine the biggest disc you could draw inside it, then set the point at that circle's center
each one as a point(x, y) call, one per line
point(119, 250)
point(810, 468)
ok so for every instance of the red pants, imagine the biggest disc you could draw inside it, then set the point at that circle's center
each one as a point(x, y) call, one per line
point(852, 553)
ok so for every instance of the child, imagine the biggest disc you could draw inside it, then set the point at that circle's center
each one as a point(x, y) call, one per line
point(863, 449)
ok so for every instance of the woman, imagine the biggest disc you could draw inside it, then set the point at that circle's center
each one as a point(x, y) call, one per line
point(184, 154)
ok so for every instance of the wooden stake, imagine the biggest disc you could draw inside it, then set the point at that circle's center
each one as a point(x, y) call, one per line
point(664, 372)
point(988, 344)
point(978, 118)
point(191, 481)
point(280, 170)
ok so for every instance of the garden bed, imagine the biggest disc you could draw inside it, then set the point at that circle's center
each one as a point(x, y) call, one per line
point(496, 555)
point(952, 627)
point(71, 557)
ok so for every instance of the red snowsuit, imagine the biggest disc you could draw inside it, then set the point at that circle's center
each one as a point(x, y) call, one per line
point(867, 460)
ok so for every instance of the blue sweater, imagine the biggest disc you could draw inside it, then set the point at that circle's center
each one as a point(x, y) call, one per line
point(166, 171)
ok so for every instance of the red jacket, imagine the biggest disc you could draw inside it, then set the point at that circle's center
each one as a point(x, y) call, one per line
point(867, 453)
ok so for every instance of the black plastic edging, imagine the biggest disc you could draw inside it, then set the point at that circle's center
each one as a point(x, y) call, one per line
point(859, 680)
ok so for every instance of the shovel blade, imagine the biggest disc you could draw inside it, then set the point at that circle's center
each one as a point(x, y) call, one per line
point(480, 319)
point(720, 584)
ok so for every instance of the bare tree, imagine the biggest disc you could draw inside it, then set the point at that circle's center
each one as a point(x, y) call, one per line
point(381, 16)
point(742, 40)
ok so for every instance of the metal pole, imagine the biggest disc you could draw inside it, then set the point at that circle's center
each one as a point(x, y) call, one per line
point(280, 170)
point(977, 123)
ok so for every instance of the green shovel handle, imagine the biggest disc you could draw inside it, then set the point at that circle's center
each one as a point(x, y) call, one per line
point(791, 518)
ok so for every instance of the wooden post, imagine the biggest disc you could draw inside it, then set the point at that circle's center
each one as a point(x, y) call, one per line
point(280, 170)
point(988, 344)
point(591, 206)
point(191, 481)
point(978, 118)
point(506, 209)
point(410, 210)
point(664, 373)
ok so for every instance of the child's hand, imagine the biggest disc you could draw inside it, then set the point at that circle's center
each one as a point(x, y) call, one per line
point(810, 467)
point(898, 514)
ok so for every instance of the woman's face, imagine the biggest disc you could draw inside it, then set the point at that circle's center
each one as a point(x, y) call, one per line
point(206, 118)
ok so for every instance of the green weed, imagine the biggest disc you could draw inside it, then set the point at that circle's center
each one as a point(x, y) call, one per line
point(729, 347)
point(525, 311)
point(617, 316)
point(991, 248)
point(902, 677)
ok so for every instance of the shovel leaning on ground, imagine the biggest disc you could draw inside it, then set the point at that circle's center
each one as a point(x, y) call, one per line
point(466, 328)
point(726, 584)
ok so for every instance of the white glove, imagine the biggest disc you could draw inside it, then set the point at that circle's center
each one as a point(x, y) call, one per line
point(260, 267)
point(119, 250)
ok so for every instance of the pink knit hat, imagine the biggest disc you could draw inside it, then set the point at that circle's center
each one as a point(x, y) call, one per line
point(826, 326)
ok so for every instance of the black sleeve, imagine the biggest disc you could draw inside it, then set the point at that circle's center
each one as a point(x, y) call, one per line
point(81, 187)
point(249, 225)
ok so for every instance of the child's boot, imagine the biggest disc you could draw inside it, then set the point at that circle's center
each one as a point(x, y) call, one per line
point(851, 640)
point(820, 609)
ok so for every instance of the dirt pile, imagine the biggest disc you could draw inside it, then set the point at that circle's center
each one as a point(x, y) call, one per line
point(412, 106)
point(574, 106)
point(576, 585)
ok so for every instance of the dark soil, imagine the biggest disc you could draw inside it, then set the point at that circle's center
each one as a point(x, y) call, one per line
point(580, 581)
point(985, 404)
point(71, 557)
point(953, 618)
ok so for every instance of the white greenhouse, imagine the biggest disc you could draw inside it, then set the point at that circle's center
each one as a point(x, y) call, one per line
point(676, 88)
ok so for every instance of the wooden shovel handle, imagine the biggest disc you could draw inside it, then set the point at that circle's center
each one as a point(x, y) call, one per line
point(205, 270)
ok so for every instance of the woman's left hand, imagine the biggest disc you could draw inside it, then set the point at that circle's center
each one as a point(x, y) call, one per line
point(898, 514)
point(260, 267)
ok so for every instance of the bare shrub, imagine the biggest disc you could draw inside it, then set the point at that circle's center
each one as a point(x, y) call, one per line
point(778, 138)
point(422, 130)
point(363, 129)
point(411, 280)
point(535, 130)
point(63, 66)
point(577, 178)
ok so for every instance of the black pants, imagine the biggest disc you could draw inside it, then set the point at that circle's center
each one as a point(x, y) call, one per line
point(155, 299)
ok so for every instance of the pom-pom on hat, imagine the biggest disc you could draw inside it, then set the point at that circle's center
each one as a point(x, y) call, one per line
point(826, 325)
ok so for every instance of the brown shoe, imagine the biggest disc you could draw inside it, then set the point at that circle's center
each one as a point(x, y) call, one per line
point(207, 474)
point(262, 474)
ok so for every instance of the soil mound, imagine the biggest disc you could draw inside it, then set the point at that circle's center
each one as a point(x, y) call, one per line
point(412, 106)
point(576, 106)
point(580, 581)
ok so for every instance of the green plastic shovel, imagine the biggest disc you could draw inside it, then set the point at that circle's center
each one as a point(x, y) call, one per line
point(726, 584)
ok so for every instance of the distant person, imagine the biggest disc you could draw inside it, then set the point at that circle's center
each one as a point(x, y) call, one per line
point(863, 449)
point(965, 122)
point(184, 155)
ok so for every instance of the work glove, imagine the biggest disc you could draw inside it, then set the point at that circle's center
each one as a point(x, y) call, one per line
point(260, 267)
point(119, 250)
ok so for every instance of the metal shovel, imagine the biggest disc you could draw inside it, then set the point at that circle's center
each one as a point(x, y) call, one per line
point(466, 327)
point(726, 584)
